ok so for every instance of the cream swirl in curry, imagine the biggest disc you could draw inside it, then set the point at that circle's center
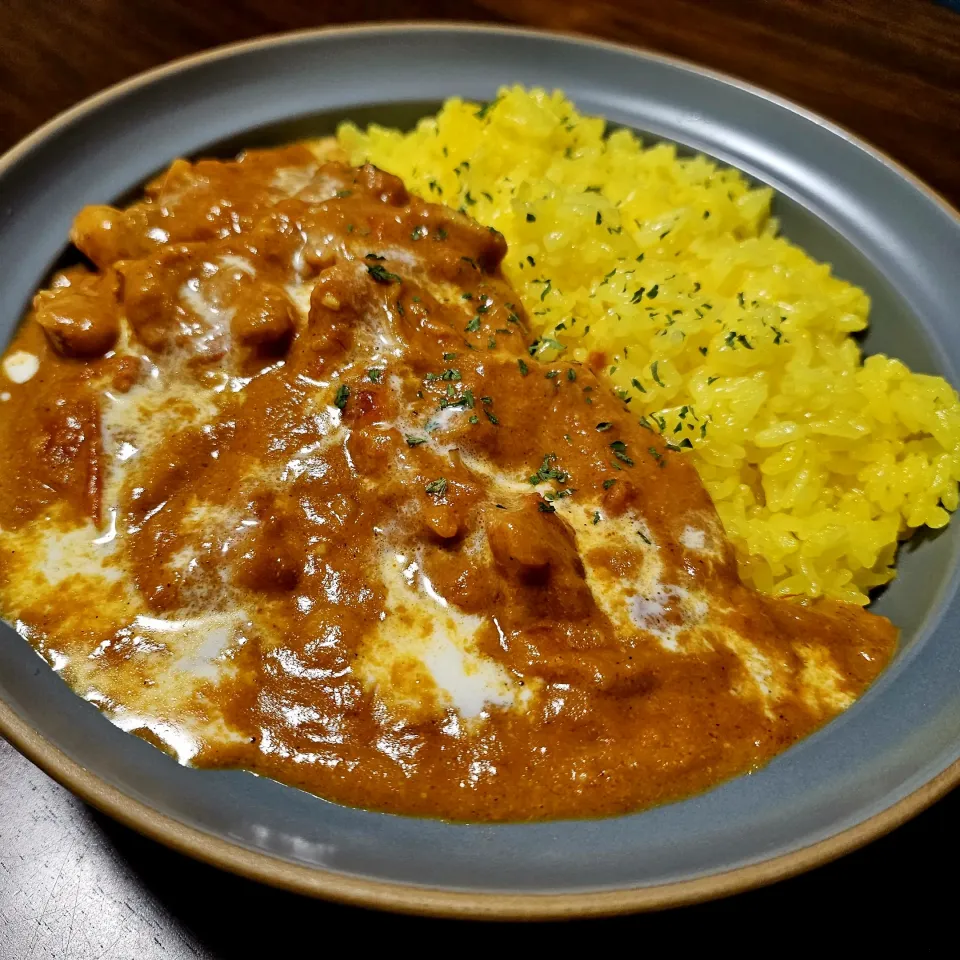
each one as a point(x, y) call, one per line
point(286, 491)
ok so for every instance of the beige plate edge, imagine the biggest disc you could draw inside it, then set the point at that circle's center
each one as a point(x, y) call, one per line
point(404, 898)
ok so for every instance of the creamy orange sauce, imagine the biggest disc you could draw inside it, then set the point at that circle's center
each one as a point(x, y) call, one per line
point(286, 491)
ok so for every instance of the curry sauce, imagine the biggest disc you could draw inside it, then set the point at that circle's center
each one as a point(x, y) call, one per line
point(287, 491)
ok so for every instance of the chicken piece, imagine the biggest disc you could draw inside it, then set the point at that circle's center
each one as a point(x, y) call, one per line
point(537, 551)
point(79, 313)
point(265, 318)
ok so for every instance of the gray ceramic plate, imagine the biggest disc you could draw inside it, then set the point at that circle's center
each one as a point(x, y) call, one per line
point(890, 755)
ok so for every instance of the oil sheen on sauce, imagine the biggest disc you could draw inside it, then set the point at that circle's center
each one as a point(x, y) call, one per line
point(285, 491)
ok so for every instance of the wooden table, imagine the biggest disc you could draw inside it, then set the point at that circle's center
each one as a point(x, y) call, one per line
point(72, 883)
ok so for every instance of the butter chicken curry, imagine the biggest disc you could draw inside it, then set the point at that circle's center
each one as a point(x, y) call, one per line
point(286, 491)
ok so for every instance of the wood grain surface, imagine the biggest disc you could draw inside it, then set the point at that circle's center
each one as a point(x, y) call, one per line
point(887, 69)
point(75, 885)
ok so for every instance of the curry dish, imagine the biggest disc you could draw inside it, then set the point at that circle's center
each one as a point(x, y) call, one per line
point(286, 491)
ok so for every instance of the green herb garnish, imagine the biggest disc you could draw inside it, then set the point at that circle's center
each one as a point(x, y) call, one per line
point(465, 401)
point(619, 449)
point(548, 472)
point(381, 274)
point(446, 376)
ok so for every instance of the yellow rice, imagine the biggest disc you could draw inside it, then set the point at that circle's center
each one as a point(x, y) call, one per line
point(727, 338)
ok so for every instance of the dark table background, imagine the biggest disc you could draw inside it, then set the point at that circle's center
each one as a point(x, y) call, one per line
point(75, 885)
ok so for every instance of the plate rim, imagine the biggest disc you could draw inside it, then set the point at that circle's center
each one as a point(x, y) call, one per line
point(408, 898)
point(437, 901)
